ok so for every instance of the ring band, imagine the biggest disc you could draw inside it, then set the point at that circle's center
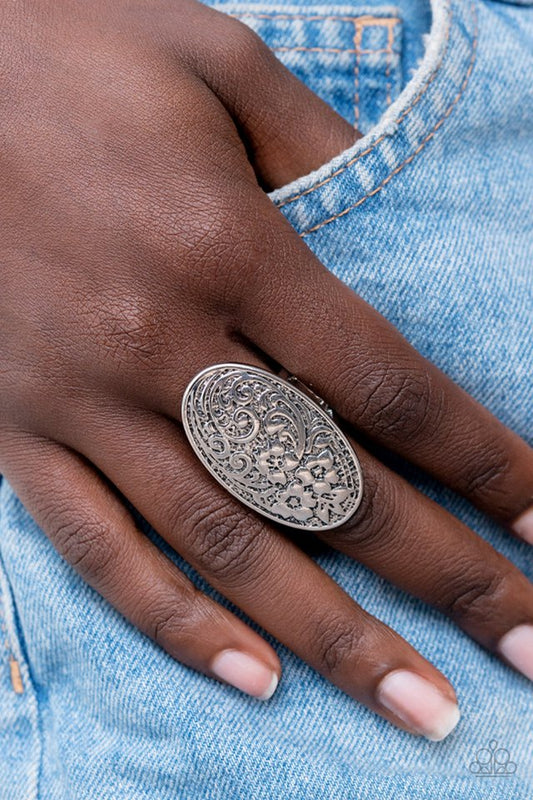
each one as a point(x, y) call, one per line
point(273, 444)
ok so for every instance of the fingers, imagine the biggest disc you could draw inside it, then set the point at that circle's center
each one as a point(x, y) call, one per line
point(269, 577)
point(417, 545)
point(455, 571)
point(92, 530)
point(289, 131)
point(321, 331)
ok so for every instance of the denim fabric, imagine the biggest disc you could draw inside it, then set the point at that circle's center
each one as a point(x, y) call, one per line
point(428, 217)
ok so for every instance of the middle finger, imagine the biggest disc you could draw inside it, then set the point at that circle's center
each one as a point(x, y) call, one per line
point(421, 548)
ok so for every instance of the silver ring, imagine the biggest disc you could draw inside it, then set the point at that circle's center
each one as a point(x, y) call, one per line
point(273, 444)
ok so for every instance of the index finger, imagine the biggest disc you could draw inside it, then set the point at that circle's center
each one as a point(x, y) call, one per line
point(307, 319)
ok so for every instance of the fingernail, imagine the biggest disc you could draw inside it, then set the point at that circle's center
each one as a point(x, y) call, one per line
point(245, 673)
point(523, 526)
point(517, 647)
point(419, 704)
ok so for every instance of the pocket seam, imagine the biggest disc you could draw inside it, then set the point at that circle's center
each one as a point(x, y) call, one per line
point(406, 161)
point(405, 113)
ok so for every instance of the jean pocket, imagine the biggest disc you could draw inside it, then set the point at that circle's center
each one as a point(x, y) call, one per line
point(350, 56)
point(413, 121)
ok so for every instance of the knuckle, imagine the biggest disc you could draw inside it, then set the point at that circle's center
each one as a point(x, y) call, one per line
point(217, 267)
point(399, 402)
point(370, 529)
point(337, 640)
point(173, 620)
point(127, 327)
point(221, 265)
point(242, 45)
point(88, 545)
point(483, 475)
point(470, 600)
point(225, 539)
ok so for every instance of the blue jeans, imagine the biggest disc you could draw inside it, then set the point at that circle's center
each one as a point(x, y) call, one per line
point(428, 217)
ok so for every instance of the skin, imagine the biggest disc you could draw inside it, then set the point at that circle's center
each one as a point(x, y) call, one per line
point(138, 247)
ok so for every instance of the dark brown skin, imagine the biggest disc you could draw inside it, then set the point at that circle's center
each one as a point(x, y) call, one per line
point(138, 246)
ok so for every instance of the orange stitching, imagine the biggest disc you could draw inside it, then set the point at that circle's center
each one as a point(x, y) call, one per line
point(361, 22)
point(367, 19)
point(420, 146)
point(14, 666)
point(358, 51)
point(16, 676)
point(331, 50)
point(369, 149)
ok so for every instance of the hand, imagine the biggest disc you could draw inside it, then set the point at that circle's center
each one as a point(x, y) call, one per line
point(138, 247)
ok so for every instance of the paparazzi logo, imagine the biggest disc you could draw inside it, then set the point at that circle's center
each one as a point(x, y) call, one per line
point(492, 762)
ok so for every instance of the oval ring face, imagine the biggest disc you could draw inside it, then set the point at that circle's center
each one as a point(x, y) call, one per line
point(272, 447)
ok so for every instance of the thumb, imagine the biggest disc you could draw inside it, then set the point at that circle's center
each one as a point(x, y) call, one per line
point(287, 129)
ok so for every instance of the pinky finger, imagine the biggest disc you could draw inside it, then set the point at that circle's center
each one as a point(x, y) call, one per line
point(93, 531)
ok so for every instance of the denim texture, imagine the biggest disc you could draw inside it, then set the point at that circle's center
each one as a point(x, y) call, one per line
point(429, 218)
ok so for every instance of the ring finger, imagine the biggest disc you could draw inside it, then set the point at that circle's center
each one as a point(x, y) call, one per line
point(455, 570)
